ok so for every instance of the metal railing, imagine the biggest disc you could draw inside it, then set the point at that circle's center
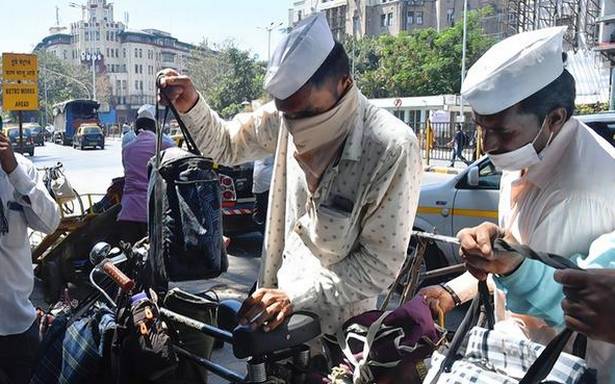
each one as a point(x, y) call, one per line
point(436, 140)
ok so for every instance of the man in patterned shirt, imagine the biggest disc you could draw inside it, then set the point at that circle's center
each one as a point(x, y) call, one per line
point(345, 181)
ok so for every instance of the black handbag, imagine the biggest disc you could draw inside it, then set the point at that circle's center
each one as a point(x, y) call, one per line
point(185, 216)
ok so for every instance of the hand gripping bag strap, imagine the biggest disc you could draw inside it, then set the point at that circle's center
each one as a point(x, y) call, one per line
point(192, 148)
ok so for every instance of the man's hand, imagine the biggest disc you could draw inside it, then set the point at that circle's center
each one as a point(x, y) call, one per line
point(438, 299)
point(179, 89)
point(266, 307)
point(7, 157)
point(476, 250)
point(589, 306)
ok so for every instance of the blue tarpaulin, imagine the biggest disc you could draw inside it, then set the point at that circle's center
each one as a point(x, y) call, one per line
point(108, 118)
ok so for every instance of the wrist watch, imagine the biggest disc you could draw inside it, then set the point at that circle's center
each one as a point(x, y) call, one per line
point(450, 291)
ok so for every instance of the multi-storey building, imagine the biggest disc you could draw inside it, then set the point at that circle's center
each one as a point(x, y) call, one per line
point(130, 58)
point(377, 17)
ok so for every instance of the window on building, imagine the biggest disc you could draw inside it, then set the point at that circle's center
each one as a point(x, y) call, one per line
point(136, 53)
point(141, 85)
point(450, 16)
point(118, 86)
point(124, 52)
point(87, 36)
point(136, 85)
point(108, 53)
point(140, 53)
point(383, 20)
point(410, 18)
point(124, 85)
point(389, 19)
point(419, 17)
point(136, 68)
point(117, 52)
point(97, 35)
point(107, 35)
point(299, 15)
point(140, 68)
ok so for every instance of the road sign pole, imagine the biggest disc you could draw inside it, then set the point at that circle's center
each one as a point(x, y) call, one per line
point(20, 132)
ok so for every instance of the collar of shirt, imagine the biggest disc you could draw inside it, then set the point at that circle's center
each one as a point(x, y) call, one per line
point(539, 174)
point(353, 145)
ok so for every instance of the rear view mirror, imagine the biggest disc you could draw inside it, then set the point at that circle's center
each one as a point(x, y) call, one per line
point(473, 176)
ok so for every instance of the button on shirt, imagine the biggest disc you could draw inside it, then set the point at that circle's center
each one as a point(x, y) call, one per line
point(333, 252)
point(26, 203)
point(135, 157)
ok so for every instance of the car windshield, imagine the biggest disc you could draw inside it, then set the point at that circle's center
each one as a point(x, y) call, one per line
point(14, 132)
point(36, 130)
point(91, 130)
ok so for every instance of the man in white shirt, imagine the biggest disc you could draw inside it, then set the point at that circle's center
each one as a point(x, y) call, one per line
point(25, 203)
point(556, 191)
point(345, 180)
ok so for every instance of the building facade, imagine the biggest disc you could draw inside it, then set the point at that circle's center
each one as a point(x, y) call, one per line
point(129, 58)
point(378, 17)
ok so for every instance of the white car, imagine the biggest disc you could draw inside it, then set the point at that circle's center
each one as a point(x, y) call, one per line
point(466, 200)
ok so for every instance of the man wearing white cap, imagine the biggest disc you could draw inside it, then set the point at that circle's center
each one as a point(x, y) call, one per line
point(345, 181)
point(523, 100)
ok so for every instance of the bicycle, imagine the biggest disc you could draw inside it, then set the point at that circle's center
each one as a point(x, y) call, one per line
point(63, 193)
point(280, 356)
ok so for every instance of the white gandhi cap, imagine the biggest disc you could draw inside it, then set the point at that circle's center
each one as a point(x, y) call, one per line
point(299, 56)
point(147, 111)
point(514, 69)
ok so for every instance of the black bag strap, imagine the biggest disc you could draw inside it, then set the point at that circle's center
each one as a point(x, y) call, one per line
point(547, 359)
point(190, 144)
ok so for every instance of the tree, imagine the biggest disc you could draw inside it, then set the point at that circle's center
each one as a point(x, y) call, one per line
point(227, 77)
point(64, 81)
point(422, 62)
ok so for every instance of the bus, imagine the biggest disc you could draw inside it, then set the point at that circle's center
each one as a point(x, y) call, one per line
point(70, 115)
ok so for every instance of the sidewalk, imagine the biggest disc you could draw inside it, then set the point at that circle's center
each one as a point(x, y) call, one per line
point(443, 166)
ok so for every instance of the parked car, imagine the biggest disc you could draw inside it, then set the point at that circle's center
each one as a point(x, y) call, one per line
point(89, 135)
point(603, 123)
point(38, 134)
point(237, 199)
point(28, 143)
point(471, 197)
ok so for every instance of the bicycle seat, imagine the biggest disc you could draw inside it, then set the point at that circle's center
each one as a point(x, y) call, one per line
point(299, 328)
point(227, 314)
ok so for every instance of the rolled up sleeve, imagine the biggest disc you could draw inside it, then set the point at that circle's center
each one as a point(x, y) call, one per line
point(248, 137)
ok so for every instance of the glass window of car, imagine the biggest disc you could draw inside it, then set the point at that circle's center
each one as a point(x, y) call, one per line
point(488, 177)
point(13, 133)
point(90, 130)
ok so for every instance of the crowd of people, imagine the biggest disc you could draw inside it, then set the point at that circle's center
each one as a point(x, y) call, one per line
point(345, 181)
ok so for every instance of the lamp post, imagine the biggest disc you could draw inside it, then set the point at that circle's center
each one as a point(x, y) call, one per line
point(270, 28)
point(463, 57)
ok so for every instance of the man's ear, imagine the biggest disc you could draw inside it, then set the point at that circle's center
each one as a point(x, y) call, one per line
point(556, 119)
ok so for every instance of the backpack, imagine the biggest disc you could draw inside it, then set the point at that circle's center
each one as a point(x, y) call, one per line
point(186, 240)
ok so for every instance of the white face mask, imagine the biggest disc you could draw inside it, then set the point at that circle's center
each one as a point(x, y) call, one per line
point(520, 158)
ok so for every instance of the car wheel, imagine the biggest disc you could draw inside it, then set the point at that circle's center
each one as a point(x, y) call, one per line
point(102, 147)
point(82, 147)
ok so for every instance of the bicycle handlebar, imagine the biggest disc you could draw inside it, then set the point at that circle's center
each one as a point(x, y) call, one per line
point(124, 282)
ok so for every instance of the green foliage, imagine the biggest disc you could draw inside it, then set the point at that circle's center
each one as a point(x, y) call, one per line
point(227, 77)
point(422, 62)
point(586, 109)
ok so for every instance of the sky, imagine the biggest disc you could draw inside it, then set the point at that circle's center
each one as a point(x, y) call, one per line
point(23, 23)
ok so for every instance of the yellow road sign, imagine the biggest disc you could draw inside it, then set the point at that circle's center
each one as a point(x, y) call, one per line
point(20, 97)
point(19, 67)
